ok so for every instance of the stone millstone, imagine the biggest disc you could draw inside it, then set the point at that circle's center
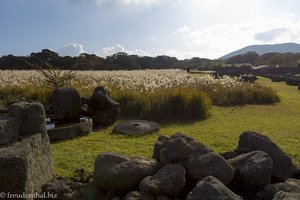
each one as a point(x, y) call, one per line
point(136, 127)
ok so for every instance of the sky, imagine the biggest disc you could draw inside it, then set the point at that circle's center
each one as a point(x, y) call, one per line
point(180, 28)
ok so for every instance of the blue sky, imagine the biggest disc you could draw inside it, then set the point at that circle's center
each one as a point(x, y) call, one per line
point(181, 28)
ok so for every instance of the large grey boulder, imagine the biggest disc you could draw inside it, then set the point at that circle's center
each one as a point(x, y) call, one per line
point(31, 117)
point(176, 151)
point(198, 160)
point(177, 148)
point(66, 103)
point(115, 172)
point(26, 165)
point(286, 196)
point(199, 166)
point(9, 129)
point(296, 173)
point(102, 108)
point(229, 154)
point(253, 171)
point(168, 181)
point(160, 144)
point(282, 163)
point(290, 186)
point(138, 196)
point(211, 188)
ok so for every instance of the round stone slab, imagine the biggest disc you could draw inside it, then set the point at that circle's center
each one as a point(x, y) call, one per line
point(136, 127)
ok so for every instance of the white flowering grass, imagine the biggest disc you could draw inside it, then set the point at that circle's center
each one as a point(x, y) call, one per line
point(142, 80)
point(222, 91)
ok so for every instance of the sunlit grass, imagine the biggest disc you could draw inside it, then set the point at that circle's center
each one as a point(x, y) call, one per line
point(220, 131)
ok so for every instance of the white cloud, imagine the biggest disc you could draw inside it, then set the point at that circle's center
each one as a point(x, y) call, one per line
point(71, 50)
point(153, 38)
point(125, 2)
point(184, 29)
point(271, 35)
point(181, 55)
point(211, 41)
point(220, 39)
point(100, 2)
point(138, 52)
point(107, 51)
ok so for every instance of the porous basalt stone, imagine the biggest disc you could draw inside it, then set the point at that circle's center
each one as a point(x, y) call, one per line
point(199, 166)
point(211, 188)
point(168, 181)
point(102, 108)
point(253, 171)
point(26, 165)
point(290, 185)
point(9, 129)
point(66, 103)
point(282, 163)
point(116, 172)
point(31, 116)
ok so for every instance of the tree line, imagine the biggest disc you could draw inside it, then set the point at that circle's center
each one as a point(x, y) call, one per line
point(118, 61)
point(123, 61)
point(272, 59)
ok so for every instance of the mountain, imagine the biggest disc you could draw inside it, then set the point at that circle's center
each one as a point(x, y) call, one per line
point(266, 48)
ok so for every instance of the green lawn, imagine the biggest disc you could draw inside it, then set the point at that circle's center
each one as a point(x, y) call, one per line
point(281, 122)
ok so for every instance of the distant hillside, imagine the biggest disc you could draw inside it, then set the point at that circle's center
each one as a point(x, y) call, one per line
point(266, 48)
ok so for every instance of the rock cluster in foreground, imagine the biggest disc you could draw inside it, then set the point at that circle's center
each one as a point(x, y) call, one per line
point(182, 168)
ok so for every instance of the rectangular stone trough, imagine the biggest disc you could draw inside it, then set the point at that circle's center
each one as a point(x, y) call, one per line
point(25, 154)
point(26, 165)
point(9, 129)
